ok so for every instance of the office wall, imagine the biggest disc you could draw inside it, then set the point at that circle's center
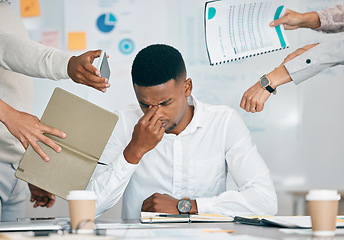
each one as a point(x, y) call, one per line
point(298, 133)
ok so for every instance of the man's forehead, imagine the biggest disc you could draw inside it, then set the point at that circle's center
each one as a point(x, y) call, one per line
point(155, 95)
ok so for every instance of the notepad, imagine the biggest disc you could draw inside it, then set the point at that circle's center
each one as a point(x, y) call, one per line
point(281, 221)
point(238, 29)
point(88, 128)
point(154, 217)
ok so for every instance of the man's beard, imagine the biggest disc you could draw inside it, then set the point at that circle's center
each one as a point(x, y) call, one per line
point(171, 128)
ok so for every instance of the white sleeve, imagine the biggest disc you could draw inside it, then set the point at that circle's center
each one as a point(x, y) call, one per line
point(109, 182)
point(23, 55)
point(324, 55)
point(256, 193)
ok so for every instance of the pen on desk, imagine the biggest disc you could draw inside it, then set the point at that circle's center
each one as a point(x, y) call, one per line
point(215, 231)
point(35, 218)
point(173, 215)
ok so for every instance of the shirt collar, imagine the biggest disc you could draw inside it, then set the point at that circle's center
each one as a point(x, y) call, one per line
point(196, 121)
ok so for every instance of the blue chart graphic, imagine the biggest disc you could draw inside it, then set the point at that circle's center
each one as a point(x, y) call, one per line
point(211, 13)
point(106, 22)
point(126, 46)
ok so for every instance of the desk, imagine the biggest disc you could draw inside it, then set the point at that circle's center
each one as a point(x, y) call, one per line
point(240, 229)
point(243, 229)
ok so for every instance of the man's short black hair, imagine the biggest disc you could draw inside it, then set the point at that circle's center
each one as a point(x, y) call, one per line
point(157, 64)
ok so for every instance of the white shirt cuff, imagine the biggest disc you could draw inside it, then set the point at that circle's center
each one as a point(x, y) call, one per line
point(203, 205)
point(123, 168)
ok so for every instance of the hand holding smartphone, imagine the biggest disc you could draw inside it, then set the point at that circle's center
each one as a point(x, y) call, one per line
point(102, 65)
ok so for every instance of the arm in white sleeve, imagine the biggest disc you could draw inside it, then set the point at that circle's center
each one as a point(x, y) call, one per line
point(256, 193)
point(331, 19)
point(109, 182)
point(324, 55)
point(23, 55)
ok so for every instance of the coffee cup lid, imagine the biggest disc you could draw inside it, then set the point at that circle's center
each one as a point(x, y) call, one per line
point(322, 195)
point(81, 195)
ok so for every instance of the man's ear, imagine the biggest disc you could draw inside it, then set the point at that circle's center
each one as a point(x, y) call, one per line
point(188, 87)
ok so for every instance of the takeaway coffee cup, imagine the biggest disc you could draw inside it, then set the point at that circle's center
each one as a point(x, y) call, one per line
point(82, 208)
point(323, 208)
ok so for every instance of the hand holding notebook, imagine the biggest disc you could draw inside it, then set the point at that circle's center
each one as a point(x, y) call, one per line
point(88, 128)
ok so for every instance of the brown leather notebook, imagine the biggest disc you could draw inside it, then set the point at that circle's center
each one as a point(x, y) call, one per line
point(88, 128)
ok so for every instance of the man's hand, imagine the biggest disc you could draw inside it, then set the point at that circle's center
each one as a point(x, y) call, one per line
point(160, 203)
point(81, 70)
point(292, 20)
point(28, 130)
point(40, 197)
point(148, 132)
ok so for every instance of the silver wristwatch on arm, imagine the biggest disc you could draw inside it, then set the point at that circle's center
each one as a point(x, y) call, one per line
point(184, 206)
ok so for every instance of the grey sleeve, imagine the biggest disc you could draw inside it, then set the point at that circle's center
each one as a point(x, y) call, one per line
point(23, 55)
point(326, 54)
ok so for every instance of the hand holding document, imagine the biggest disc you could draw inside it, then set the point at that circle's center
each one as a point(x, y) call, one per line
point(236, 29)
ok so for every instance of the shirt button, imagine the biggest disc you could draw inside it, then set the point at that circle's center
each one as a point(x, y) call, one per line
point(308, 61)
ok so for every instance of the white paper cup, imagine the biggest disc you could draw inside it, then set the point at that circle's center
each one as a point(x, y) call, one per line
point(323, 208)
point(82, 209)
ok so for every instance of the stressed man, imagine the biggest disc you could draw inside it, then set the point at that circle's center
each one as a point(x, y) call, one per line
point(172, 148)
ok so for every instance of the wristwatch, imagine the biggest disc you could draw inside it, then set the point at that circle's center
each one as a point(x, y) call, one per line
point(184, 206)
point(265, 83)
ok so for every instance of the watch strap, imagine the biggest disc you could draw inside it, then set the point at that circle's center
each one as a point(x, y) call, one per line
point(270, 89)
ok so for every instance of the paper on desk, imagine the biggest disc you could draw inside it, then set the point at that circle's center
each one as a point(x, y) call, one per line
point(52, 236)
point(306, 231)
point(178, 233)
point(294, 221)
point(109, 225)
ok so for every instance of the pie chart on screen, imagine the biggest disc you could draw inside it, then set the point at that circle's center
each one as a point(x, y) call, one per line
point(106, 22)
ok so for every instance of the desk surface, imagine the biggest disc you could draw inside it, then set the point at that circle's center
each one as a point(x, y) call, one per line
point(239, 229)
point(244, 229)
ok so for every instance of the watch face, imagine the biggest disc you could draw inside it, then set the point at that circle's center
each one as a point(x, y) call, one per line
point(184, 206)
point(264, 82)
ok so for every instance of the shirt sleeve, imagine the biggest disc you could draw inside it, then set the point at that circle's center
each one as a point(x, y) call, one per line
point(331, 19)
point(110, 181)
point(23, 55)
point(256, 193)
point(324, 55)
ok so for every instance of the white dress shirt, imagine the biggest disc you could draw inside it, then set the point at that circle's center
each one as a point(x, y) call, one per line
point(215, 146)
point(326, 54)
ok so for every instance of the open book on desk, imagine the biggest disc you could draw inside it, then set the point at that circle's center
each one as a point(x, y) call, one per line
point(154, 217)
point(282, 221)
point(88, 128)
point(238, 29)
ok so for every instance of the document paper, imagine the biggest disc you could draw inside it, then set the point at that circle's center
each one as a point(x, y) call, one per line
point(237, 29)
